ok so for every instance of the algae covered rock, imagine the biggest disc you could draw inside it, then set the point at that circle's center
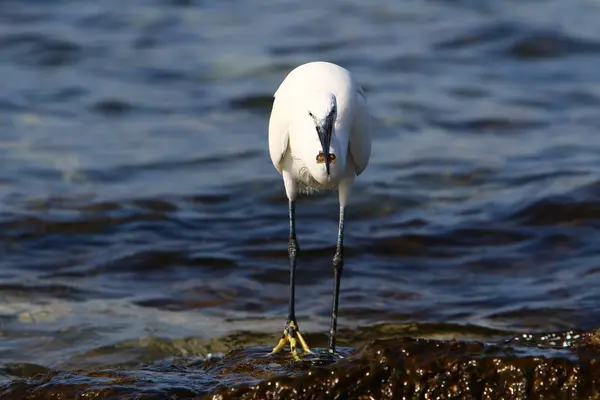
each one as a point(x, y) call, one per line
point(562, 365)
point(527, 367)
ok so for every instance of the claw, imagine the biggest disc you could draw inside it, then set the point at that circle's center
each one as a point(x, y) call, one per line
point(292, 334)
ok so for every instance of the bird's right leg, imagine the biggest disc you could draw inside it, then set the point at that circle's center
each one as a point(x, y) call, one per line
point(291, 332)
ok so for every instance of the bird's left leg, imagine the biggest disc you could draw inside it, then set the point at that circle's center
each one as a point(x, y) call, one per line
point(291, 332)
point(338, 258)
point(338, 266)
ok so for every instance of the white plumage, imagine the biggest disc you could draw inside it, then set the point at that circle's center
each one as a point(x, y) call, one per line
point(319, 138)
point(293, 140)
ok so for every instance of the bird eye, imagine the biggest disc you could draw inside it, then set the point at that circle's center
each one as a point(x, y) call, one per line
point(311, 115)
point(321, 158)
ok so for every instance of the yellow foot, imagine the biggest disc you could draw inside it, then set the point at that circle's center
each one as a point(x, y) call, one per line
point(292, 334)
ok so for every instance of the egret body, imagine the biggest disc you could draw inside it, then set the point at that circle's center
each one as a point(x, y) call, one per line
point(319, 138)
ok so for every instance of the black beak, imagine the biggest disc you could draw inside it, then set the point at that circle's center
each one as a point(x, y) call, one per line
point(324, 132)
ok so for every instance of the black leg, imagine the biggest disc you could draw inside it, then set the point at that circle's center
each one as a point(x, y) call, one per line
point(291, 332)
point(293, 251)
point(338, 266)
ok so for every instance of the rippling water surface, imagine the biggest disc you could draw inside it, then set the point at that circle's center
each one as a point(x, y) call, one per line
point(140, 215)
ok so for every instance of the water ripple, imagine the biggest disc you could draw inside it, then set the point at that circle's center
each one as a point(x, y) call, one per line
point(137, 196)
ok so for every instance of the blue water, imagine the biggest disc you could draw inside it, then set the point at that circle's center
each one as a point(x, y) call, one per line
point(137, 198)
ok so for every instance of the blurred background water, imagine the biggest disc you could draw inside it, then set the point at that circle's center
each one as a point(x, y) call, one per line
point(138, 201)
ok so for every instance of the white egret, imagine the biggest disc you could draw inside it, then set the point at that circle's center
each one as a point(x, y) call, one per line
point(319, 138)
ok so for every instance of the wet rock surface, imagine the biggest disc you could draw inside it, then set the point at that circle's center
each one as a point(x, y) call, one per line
point(541, 366)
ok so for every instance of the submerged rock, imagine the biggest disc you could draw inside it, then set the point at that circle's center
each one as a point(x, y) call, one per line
point(561, 365)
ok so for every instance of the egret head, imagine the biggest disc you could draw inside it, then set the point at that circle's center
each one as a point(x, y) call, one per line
point(322, 112)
